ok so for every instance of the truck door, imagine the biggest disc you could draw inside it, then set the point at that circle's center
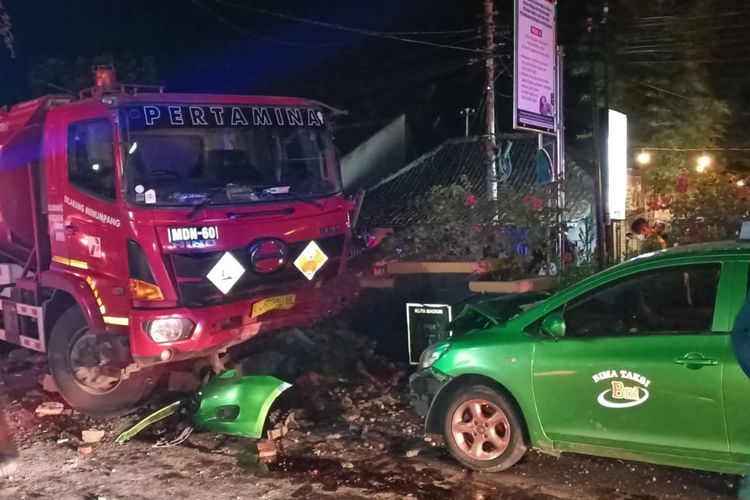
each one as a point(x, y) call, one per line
point(93, 221)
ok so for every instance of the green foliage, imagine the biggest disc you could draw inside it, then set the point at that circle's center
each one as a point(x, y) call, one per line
point(712, 208)
point(6, 31)
point(455, 225)
point(76, 74)
point(653, 69)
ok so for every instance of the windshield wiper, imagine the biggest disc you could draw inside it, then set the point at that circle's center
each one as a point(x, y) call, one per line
point(278, 190)
point(208, 200)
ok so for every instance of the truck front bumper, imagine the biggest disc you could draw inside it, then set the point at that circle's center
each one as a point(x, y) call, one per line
point(220, 327)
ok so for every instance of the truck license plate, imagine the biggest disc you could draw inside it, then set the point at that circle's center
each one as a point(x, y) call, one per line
point(270, 304)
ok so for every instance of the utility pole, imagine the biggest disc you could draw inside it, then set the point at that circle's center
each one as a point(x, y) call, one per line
point(489, 87)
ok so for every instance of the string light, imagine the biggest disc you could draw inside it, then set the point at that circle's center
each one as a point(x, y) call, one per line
point(704, 161)
point(644, 157)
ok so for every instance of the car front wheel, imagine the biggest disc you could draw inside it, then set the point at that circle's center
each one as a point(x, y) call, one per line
point(483, 429)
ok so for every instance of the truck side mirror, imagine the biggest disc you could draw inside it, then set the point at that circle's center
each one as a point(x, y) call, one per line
point(554, 325)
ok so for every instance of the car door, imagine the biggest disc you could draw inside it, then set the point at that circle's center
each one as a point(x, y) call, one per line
point(639, 367)
point(736, 383)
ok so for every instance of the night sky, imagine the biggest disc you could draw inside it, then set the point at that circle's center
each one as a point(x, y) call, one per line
point(213, 46)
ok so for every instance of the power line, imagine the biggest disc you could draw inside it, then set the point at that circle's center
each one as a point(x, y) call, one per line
point(665, 91)
point(244, 31)
point(692, 150)
point(400, 63)
point(683, 61)
point(444, 32)
point(375, 34)
point(437, 71)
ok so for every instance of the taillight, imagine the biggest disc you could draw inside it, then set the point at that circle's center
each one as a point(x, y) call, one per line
point(140, 290)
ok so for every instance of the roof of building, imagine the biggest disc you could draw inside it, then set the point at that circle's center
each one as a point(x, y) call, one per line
point(391, 202)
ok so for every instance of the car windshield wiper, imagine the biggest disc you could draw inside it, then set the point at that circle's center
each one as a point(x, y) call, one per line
point(279, 190)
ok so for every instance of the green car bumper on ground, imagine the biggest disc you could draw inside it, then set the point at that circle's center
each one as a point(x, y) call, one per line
point(633, 363)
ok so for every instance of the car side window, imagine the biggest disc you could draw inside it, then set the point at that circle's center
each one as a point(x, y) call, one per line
point(91, 160)
point(673, 300)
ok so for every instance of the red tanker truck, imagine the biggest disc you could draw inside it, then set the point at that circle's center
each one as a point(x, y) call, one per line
point(140, 228)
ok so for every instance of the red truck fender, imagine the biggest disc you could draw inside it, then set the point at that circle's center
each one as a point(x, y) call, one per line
point(80, 291)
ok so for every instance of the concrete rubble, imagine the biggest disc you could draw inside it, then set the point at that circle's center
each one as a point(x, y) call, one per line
point(345, 429)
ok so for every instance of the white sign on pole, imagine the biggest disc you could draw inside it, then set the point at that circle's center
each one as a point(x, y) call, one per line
point(617, 164)
point(534, 79)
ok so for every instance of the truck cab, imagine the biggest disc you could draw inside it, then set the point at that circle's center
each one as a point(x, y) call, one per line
point(166, 227)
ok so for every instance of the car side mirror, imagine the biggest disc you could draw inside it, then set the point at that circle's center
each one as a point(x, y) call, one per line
point(554, 325)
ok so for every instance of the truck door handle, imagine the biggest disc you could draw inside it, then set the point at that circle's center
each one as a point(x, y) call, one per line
point(71, 229)
point(695, 360)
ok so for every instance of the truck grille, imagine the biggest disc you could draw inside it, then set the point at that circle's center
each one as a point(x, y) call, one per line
point(196, 290)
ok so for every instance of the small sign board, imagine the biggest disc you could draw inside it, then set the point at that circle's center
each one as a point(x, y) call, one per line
point(425, 325)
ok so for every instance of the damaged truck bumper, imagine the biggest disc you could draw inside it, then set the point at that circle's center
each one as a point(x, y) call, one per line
point(213, 329)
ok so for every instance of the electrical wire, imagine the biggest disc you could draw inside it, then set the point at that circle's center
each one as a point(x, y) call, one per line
point(692, 150)
point(682, 61)
point(446, 69)
point(247, 32)
point(445, 32)
point(398, 63)
point(370, 33)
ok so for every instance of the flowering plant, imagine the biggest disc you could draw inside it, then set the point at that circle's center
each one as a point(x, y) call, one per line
point(454, 224)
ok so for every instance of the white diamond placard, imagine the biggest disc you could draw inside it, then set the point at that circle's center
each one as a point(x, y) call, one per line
point(226, 273)
point(310, 260)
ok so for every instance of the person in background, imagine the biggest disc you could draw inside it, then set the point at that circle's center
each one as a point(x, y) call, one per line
point(741, 348)
point(652, 240)
point(8, 451)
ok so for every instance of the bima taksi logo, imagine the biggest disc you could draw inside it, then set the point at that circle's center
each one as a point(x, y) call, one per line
point(624, 388)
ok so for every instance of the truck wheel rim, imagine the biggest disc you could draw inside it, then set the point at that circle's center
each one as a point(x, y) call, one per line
point(92, 373)
point(480, 429)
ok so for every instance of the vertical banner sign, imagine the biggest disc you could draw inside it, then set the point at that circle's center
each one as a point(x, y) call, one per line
point(425, 325)
point(534, 62)
point(617, 164)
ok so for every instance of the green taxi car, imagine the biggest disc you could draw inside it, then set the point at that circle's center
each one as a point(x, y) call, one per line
point(633, 363)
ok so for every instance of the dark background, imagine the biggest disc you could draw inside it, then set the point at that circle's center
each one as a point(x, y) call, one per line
point(208, 46)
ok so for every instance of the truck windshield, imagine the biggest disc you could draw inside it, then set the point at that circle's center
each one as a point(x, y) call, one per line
point(185, 155)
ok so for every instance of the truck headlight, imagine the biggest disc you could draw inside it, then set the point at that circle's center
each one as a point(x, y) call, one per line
point(169, 329)
point(433, 353)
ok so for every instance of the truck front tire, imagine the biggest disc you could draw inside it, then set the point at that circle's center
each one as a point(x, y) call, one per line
point(85, 380)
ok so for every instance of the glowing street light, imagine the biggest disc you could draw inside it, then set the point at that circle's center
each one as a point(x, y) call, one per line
point(704, 161)
point(643, 158)
point(740, 183)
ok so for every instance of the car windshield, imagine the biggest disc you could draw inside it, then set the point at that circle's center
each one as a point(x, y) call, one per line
point(185, 155)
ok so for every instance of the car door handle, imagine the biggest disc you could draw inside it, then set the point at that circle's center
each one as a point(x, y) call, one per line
point(71, 229)
point(695, 360)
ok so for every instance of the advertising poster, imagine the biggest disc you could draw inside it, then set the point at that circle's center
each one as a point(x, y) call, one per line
point(425, 324)
point(535, 79)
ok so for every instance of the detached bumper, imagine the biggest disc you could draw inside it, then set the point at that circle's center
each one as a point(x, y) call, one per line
point(424, 385)
point(220, 327)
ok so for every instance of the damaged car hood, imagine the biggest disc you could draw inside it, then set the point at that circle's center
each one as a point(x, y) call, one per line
point(486, 313)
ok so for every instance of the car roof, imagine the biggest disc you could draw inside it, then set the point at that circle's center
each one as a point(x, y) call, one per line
point(732, 247)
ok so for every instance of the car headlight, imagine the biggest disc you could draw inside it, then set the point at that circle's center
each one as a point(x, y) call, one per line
point(169, 329)
point(433, 353)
